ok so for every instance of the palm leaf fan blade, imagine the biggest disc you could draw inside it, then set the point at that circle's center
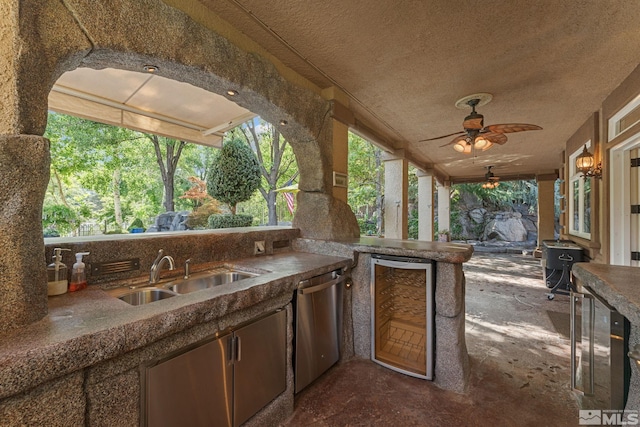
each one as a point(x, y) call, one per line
point(511, 127)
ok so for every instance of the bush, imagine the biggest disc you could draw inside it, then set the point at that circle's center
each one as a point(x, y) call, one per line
point(137, 223)
point(230, 221)
point(51, 232)
point(234, 174)
point(199, 218)
point(367, 227)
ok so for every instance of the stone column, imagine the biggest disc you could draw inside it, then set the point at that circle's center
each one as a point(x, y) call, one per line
point(546, 209)
point(25, 74)
point(444, 206)
point(452, 367)
point(24, 174)
point(425, 206)
point(396, 184)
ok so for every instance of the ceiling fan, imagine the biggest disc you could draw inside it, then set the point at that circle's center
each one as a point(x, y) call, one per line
point(479, 137)
point(491, 178)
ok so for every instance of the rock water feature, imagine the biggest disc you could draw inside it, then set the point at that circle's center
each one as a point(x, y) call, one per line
point(501, 231)
point(506, 226)
point(170, 221)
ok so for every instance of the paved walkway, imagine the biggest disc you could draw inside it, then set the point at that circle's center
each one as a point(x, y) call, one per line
point(519, 364)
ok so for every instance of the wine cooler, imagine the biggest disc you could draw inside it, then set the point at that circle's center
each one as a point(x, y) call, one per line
point(402, 314)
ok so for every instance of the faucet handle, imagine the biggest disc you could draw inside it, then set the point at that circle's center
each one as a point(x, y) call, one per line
point(159, 257)
point(186, 268)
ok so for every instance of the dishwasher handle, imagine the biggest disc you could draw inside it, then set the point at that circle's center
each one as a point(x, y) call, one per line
point(321, 286)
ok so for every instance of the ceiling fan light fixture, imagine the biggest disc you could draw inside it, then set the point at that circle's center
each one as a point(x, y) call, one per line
point(462, 147)
point(487, 146)
point(480, 143)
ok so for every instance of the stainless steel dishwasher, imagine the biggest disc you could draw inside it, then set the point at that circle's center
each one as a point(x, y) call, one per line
point(318, 329)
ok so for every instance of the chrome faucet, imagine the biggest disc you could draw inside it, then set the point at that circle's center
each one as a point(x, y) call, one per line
point(154, 275)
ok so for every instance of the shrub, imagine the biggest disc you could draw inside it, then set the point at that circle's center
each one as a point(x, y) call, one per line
point(230, 221)
point(368, 227)
point(51, 232)
point(137, 223)
point(234, 174)
point(199, 218)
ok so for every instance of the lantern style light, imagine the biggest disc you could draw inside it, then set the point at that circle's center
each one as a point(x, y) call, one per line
point(585, 163)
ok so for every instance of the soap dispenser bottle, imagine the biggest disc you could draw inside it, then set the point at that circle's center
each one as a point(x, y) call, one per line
point(57, 274)
point(78, 276)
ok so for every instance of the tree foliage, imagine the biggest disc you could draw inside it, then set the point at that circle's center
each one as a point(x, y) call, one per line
point(366, 184)
point(111, 175)
point(234, 174)
point(275, 156)
point(168, 165)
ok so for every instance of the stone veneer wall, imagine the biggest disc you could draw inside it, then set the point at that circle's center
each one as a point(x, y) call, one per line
point(41, 39)
point(200, 247)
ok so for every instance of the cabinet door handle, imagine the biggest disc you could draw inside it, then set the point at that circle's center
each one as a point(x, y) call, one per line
point(575, 297)
point(238, 349)
point(231, 343)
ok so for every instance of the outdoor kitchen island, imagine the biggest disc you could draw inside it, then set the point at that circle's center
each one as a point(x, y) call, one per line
point(618, 286)
point(81, 364)
point(451, 357)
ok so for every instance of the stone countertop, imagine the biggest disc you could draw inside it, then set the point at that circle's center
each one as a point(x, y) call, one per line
point(89, 326)
point(618, 285)
point(455, 253)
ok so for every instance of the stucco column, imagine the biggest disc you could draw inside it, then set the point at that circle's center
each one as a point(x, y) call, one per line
point(425, 206)
point(546, 209)
point(444, 207)
point(396, 184)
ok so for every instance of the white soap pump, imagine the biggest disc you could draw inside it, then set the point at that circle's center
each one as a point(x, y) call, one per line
point(57, 274)
point(78, 276)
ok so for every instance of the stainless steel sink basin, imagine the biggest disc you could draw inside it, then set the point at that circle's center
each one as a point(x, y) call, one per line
point(146, 296)
point(207, 280)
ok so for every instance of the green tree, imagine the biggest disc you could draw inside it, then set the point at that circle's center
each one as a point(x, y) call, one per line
point(366, 182)
point(107, 174)
point(234, 174)
point(168, 165)
point(275, 157)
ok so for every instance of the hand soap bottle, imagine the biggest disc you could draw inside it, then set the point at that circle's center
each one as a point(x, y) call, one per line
point(78, 276)
point(57, 274)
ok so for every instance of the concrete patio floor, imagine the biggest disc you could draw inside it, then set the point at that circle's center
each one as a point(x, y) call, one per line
point(519, 364)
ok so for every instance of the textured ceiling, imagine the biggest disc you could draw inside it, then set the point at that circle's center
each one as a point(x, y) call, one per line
point(405, 63)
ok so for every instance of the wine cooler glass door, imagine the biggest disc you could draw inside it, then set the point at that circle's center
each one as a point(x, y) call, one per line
point(402, 316)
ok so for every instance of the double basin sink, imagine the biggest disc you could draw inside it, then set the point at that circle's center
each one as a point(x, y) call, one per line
point(196, 282)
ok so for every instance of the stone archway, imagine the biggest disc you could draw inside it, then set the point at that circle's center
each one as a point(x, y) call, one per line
point(47, 38)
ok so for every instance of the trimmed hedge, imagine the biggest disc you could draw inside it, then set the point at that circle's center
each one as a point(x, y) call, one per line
point(230, 221)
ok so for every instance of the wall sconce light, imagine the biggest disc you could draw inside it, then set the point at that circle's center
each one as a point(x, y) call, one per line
point(586, 164)
point(283, 122)
point(151, 69)
point(232, 92)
